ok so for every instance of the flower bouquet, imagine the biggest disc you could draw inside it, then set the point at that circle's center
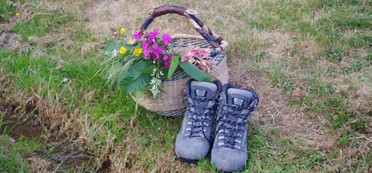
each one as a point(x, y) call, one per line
point(152, 59)
point(155, 64)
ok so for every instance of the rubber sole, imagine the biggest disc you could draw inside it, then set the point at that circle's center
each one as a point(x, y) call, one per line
point(186, 160)
point(196, 162)
point(239, 170)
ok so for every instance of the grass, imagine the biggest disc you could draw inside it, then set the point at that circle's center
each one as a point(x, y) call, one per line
point(41, 23)
point(316, 53)
point(6, 10)
point(13, 154)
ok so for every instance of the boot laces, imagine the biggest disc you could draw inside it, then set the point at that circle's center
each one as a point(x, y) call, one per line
point(200, 116)
point(232, 123)
point(231, 126)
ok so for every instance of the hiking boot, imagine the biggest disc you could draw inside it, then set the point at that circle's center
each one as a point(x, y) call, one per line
point(193, 142)
point(229, 152)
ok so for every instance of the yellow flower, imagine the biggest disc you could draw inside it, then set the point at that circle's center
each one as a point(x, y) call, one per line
point(137, 51)
point(123, 50)
point(18, 14)
point(122, 31)
point(129, 41)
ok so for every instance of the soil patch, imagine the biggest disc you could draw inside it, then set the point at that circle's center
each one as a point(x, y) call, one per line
point(8, 40)
point(17, 126)
point(56, 152)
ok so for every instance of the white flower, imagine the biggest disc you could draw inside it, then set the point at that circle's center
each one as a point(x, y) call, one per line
point(153, 72)
point(154, 87)
point(152, 81)
point(157, 81)
point(114, 53)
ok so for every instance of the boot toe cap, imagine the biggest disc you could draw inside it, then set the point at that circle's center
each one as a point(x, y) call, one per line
point(191, 149)
point(229, 160)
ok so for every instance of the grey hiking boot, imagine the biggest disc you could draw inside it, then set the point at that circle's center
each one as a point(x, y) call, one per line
point(229, 152)
point(193, 142)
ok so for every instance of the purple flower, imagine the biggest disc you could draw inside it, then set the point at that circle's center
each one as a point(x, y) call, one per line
point(167, 59)
point(152, 35)
point(146, 49)
point(146, 52)
point(137, 35)
point(166, 64)
point(157, 50)
point(171, 56)
point(145, 44)
point(166, 38)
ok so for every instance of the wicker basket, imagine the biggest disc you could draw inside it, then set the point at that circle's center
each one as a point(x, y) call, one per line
point(171, 102)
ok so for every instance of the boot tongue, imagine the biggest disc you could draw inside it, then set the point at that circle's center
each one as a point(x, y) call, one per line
point(238, 97)
point(203, 89)
point(237, 101)
point(200, 92)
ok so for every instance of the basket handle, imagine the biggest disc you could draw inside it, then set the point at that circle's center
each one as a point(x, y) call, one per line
point(213, 39)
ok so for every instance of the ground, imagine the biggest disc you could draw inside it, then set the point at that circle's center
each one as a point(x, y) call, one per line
point(309, 61)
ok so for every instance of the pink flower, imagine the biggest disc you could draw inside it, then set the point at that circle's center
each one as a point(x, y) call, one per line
point(200, 58)
point(166, 38)
point(152, 35)
point(137, 35)
point(195, 52)
point(184, 58)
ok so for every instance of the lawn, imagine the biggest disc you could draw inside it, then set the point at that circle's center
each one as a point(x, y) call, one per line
point(309, 61)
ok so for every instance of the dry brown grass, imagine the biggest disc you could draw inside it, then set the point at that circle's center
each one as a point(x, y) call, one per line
point(38, 164)
point(274, 111)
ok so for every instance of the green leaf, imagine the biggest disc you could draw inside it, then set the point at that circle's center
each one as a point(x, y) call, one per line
point(195, 72)
point(135, 79)
point(149, 69)
point(130, 84)
point(142, 65)
point(173, 66)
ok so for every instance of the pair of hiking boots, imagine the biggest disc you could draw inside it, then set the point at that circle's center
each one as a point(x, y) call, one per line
point(215, 123)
